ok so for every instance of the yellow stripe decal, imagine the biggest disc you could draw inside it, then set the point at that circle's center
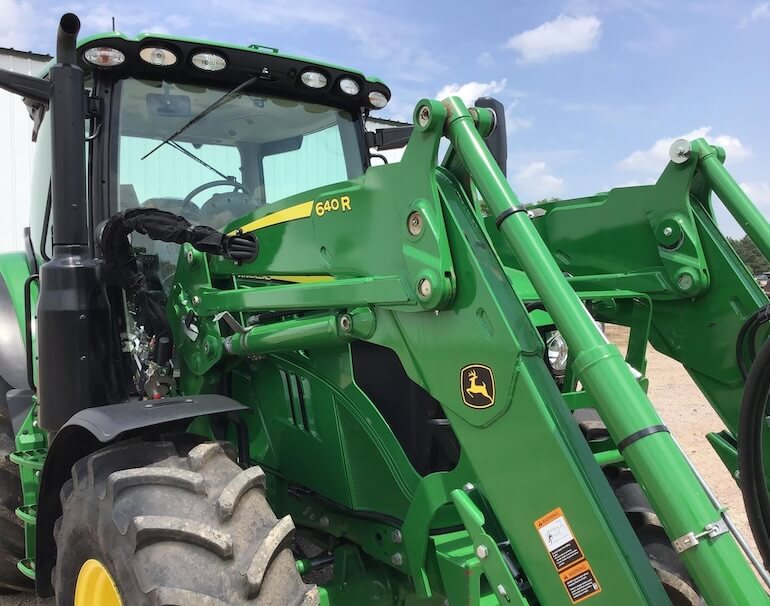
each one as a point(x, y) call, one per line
point(303, 279)
point(298, 211)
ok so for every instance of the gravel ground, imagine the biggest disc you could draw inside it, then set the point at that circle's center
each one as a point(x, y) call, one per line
point(683, 409)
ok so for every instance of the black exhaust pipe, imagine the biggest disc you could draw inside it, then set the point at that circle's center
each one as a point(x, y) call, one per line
point(73, 312)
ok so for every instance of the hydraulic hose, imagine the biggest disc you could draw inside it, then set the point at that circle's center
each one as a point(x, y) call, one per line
point(748, 334)
point(750, 452)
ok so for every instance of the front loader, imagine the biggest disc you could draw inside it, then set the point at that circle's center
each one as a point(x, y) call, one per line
point(255, 367)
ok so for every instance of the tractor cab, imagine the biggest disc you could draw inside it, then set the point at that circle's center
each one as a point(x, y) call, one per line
point(207, 133)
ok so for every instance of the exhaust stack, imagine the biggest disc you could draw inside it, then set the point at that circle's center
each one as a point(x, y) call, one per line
point(74, 328)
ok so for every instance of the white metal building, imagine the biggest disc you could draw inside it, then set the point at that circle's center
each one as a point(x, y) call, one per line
point(16, 151)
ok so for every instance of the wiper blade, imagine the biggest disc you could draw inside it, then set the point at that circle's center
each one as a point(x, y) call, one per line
point(200, 161)
point(195, 119)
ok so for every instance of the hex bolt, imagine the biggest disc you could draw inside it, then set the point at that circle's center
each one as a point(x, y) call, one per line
point(482, 552)
point(190, 257)
point(424, 288)
point(414, 223)
point(468, 487)
point(396, 537)
point(501, 590)
point(346, 323)
point(324, 522)
point(196, 300)
point(667, 231)
point(397, 559)
point(423, 116)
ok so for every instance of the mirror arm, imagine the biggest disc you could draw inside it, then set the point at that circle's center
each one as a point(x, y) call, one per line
point(31, 88)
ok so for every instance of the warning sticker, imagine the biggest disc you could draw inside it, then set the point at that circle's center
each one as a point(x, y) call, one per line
point(580, 582)
point(558, 539)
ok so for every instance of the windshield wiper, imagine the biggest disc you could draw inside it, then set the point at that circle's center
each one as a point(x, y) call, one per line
point(200, 161)
point(195, 119)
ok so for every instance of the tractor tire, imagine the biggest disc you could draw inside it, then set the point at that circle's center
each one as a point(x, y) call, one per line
point(664, 560)
point(11, 527)
point(175, 528)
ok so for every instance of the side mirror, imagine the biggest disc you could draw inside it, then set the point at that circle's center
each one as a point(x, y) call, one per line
point(497, 141)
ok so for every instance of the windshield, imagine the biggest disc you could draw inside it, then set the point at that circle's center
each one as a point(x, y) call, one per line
point(250, 150)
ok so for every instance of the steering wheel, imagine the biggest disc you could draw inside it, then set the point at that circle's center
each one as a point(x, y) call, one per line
point(236, 185)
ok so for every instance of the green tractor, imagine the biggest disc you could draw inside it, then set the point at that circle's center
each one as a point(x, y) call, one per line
point(252, 366)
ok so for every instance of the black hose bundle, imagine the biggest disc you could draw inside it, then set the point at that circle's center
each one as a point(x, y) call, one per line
point(751, 464)
point(122, 265)
point(748, 336)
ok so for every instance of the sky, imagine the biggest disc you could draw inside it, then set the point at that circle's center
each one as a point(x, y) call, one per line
point(595, 90)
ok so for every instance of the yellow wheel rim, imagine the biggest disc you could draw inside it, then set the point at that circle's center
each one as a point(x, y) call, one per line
point(95, 586)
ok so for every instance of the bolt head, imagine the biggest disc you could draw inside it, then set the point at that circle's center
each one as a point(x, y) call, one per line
point(684, 282)
point(414, 223)
point(468, 487)
point(196, 300)
point(346, 323)
point(396, 537)
point(482, 552)
point(501, 590)
point(423, 116)
point(667, 231)
point(190, 257)
point(324, 522)
point(424, 288)
point(680, 151)
point(397, 559)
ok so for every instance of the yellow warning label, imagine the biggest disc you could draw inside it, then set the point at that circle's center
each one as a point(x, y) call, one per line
point(559, 539)
point(580, 582)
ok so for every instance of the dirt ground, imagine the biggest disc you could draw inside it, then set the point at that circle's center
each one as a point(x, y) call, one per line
point(683, 409)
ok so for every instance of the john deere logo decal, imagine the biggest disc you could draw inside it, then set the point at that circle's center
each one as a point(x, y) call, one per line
point(478, 386)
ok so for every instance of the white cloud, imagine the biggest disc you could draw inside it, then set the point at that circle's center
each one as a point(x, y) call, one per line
point(759, 192)
point(485, 59)
point(534, 182)
point(514, 124)
point(761, 11)
point(564, 35)
point(15, 23)
point(470, 91)
point(654, 159)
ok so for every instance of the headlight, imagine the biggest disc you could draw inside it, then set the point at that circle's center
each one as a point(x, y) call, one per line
point(210, 62)
point(154, 55)
point(557, 350)
point(104, 56)
point(349, 86)
point(378, 99)
point(313, 79)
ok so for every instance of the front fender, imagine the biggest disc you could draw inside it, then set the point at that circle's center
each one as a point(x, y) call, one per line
point(93, 428)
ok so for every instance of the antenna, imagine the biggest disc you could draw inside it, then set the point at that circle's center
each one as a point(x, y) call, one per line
point(113, 24)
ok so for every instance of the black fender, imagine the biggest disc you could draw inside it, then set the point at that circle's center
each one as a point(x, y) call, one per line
point(93, 428)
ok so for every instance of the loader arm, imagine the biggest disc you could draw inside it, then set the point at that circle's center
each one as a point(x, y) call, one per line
point(445, 291)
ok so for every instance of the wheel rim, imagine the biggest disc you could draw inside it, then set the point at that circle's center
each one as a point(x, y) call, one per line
point(95, 586)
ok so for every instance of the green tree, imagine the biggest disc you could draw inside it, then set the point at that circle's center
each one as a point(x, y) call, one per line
point(750, 254)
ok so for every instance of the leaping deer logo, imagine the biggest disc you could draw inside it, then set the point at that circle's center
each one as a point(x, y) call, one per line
point(478, 386)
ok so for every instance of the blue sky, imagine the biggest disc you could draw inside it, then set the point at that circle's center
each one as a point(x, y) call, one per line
point(595, 90)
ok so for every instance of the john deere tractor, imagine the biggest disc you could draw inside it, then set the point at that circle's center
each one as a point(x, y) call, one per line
point(246, 363)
